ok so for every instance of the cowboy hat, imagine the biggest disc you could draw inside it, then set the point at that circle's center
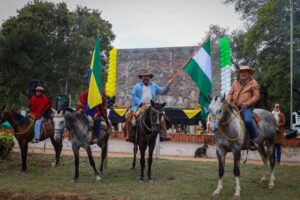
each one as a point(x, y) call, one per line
point(39, 88)
point(246, 68)
point(145, 73)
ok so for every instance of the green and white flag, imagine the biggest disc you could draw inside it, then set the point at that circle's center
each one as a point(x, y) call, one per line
point(199, 69)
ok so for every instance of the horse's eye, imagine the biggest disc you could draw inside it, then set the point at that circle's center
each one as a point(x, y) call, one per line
point(219, 111)
point(61, 122)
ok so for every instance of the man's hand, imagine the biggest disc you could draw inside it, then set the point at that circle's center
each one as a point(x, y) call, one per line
point(96, 116)
point(142, 104)
point(243, 105)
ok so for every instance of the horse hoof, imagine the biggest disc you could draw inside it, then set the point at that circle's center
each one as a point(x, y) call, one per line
point(141, 181)
point(53, 164)
point(73, 181)
point(98, 178)
point(150, 180)
point(236, 197)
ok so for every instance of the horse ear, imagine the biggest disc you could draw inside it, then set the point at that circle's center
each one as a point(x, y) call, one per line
point(163, 104)
point(223, 97)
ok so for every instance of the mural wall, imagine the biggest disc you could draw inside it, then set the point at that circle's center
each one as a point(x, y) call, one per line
point(163, 63)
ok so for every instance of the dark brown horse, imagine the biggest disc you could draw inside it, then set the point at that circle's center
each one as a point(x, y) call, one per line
point(149, 124)
point(24, 132)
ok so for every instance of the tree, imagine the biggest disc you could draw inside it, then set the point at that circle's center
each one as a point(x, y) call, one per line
point(46, 41)
point(266, 45)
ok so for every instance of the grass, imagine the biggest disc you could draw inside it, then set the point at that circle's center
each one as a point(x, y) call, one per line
point(172, 180)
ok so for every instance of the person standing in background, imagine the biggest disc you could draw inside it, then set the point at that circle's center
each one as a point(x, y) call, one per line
point(280, 122)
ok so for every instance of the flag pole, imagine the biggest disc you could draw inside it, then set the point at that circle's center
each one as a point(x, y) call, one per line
point(181, 68)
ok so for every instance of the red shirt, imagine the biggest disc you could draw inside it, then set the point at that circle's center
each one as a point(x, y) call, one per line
point(38, 105)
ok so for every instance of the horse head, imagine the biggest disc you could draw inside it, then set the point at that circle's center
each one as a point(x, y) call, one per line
point(156, 113)
point(4, 114)
point(59, 122)
point(216, 111)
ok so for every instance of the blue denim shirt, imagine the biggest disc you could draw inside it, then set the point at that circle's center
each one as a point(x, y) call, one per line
point(137, 93)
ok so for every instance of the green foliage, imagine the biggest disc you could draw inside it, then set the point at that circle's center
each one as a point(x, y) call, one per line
point(6, 145)
point(265, 45)
point(46, 41)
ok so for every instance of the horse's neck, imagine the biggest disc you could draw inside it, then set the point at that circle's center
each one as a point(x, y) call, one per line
point(147, 118)
point(14, 117)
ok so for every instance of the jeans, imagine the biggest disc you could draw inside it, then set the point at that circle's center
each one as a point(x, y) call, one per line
point(247, 114)
point(277, 152)
point(37, 128)
point(97, 126)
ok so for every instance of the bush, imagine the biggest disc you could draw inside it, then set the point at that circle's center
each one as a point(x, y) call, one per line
point(6, 145)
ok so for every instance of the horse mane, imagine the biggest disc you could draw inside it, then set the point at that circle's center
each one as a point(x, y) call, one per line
point(20, 117)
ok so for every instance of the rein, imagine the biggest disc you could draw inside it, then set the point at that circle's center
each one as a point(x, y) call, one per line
point(219, 130)
point(29, 127)
point(143, 123)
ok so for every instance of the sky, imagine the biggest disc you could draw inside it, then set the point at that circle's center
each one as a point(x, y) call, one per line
point(151, 23)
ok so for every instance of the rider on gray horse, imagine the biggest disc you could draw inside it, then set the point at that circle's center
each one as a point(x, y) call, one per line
point(244, 93)
point(96, 113)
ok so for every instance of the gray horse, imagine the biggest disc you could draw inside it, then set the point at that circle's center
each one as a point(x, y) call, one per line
point(230, 135)
point(81, 136)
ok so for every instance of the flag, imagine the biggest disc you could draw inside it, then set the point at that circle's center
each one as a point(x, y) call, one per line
point(95, 85)
point(199, 69)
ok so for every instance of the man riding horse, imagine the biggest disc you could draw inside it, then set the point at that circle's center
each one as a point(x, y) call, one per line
point(40, 107)
point(244, 93)
point(95, 113)
point(142, 94)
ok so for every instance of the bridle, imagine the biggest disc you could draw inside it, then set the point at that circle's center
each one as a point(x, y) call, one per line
point(157, 123)
point(59, 130)
point(220, 117)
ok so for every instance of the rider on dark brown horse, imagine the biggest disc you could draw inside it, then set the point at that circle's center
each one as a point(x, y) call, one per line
point(95, 113)
point(142, 93)
point(40, 107)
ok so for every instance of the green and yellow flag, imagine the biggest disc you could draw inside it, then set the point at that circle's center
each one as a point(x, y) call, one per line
point(95, 84)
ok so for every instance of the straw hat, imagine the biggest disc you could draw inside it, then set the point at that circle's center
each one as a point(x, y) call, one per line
point(145, 73)
point(39, 88)
point(246, 68)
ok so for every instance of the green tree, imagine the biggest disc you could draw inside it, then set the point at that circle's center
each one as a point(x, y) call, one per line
point(46, 41)
point(266, 45)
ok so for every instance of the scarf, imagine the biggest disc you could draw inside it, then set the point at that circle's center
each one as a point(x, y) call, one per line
point(276, 115)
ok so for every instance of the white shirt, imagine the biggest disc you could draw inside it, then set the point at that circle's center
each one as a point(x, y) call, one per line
point(147, 96)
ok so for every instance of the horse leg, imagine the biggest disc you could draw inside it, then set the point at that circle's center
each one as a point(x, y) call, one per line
point(271, 152)
point(76, 162)
point(236, 172)
point(221, 158)
point(103, 156)
point(57, 147)
point(142, 160)
point(264, 158)
point(92, 162)
point(151, 148)
point(24, 149)
point(135, 149)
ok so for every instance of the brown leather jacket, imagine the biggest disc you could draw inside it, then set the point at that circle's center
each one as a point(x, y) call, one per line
point(248, 93)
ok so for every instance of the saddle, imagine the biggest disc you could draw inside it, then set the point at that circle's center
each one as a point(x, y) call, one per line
point(47, 127)
point(247, 142)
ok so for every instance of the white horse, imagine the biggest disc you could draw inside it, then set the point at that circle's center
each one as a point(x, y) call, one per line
point(230, 135)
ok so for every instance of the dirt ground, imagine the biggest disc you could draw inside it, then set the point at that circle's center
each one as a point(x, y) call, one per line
point(54, 196)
